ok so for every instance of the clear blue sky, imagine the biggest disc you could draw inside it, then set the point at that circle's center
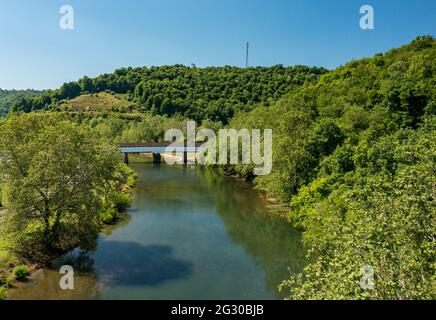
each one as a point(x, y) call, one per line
point(108, 34)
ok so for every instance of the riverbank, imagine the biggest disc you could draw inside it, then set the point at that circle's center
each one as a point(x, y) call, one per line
point(275, 205)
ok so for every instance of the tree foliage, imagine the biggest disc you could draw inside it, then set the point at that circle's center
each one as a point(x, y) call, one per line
point(8, 98)
point(214, 93)
point(56, 178)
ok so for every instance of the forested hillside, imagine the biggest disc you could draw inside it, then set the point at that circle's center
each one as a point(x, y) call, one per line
point(355, 153)
point(9, 97)
point(214, 93)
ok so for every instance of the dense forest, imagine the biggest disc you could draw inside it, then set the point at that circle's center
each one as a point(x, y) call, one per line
point(353, 153)
point(8, 98)
point(214, 93)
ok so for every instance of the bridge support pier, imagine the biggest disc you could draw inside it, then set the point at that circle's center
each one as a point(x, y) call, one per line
point(156, 158)
point(126, 158)
point(185, 157)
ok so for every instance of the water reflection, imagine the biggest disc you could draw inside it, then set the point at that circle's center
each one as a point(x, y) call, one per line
point(273, 244)
point(128, 263)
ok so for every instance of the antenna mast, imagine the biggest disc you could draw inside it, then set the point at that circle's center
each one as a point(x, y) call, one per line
point(246, 54)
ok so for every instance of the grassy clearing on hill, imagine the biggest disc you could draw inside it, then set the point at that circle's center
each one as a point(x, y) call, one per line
point(97, 102)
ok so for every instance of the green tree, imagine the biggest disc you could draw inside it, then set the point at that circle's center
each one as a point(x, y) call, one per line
point(86, 84)
point(57, 175)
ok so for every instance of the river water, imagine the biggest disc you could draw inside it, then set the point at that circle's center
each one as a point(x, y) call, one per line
point(189, 234)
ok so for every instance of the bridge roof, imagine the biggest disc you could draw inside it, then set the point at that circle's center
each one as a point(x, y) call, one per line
point(157, 147)
point(154, 144)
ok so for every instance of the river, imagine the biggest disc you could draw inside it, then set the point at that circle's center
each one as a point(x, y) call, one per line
point(189, 234)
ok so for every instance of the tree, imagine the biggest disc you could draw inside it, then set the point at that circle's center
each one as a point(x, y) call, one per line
point(69, 90)
point(86, 84)
point(56, 176)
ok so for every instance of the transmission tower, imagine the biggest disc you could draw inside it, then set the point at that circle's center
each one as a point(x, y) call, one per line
point(246, 54)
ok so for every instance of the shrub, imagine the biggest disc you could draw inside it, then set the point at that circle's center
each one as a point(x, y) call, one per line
point(122, 200)
point(21, 273)
point(131, 180)
point(5, 282)
point(2, 293)
point(108, 216)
